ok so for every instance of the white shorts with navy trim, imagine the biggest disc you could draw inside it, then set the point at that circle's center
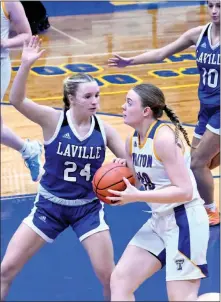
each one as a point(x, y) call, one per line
point(179, 240)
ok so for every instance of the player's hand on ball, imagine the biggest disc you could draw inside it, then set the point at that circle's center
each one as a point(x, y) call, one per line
point(126, 196)
point(121, 161)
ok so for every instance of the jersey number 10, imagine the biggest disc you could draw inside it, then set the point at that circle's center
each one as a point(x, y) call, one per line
point(212, 77)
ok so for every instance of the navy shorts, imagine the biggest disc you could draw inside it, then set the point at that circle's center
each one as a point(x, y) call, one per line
point(208, 117)
point(49, 219)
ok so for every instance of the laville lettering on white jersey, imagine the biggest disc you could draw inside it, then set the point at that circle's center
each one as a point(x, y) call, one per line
point(79, 151)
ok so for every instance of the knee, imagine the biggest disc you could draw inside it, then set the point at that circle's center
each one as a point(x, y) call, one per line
point(215, 162)
point(104, 275)
point(181, 296)
point(197, 162)
point(8, 271)
point(119, 281)
point(116, 278)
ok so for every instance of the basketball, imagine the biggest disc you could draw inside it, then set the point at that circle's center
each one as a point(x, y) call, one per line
point(110, 176)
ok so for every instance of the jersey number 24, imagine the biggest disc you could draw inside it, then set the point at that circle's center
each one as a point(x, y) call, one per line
point(72, 168)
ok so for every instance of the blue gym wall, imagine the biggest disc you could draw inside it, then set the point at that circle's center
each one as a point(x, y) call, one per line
point(65, 8)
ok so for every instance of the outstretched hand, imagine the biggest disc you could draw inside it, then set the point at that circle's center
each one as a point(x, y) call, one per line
point(126, 196)
point(31, 50)
point(118, 61)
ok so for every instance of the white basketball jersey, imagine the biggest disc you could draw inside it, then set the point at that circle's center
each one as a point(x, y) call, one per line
point(150, 170)
point(5, 26)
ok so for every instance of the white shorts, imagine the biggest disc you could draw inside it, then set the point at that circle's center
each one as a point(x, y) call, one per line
point(5, 75)
point(179, 240)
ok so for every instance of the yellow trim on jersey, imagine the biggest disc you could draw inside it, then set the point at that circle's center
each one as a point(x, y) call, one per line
point(5, 10)
point(147, 134)
point(154, 149)
point(131, 144)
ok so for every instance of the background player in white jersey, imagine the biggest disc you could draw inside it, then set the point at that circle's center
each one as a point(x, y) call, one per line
point(75, 146)
point(12, 14)
point(178, 231)
point(206, 141)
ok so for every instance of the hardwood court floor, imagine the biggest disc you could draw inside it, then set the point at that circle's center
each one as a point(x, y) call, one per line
point(84, 43)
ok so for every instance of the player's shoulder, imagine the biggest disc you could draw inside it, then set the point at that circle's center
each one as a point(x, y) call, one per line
point(165, 145)
point(14, 7)
point(194, 33)
point(165, 138)
point(164, 134)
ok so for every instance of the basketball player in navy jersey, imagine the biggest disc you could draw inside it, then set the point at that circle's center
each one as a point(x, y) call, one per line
point(206, 141)
point(75, 141)
point(176, 235)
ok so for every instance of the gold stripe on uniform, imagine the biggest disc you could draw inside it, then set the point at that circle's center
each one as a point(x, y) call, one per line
point(4, 9)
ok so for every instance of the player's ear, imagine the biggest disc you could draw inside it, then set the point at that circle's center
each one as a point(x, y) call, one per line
point(70, 98)
point(146, 111)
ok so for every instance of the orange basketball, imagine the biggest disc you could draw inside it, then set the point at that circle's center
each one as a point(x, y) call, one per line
point(110, 176)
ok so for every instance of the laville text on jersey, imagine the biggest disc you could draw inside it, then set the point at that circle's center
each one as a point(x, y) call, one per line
point(209, 58)
point(79, 151)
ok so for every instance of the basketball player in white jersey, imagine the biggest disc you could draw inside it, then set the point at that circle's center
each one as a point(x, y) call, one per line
point(177, 233)
point(12, 13)
point(205, 151)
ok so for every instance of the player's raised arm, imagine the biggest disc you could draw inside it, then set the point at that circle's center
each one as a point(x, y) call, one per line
point(153, 56)
point(37, 113)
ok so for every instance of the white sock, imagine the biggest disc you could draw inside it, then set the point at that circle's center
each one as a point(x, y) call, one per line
point(211, 206)
point(26, 150)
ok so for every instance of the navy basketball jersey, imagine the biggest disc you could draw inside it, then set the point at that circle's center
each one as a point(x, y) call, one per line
point(71, 161)
point(208, 62)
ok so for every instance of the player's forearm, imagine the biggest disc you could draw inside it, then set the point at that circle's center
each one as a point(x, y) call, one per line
point(170, 194)
point(18, 40)
point(18, 90)
point(152, 56)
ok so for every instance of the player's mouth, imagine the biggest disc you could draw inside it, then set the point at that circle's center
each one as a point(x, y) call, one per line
point(215, 18)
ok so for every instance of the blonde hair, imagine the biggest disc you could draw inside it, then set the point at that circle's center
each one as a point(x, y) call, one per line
point(70, 86)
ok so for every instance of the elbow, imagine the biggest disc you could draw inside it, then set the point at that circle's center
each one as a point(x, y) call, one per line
point(160, 55)
point(28, 35)
point(13, 100)
point(187, 193)
point(11, 97)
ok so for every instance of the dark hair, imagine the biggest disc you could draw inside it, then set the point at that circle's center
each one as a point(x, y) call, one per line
point(70, 86)
point(151, 96)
